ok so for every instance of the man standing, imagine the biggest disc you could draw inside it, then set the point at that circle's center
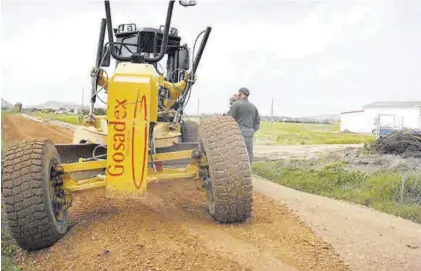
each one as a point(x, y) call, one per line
point(247, 117)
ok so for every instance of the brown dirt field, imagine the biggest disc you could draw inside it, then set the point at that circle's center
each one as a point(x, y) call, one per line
point(16, 127)
point(169, 229)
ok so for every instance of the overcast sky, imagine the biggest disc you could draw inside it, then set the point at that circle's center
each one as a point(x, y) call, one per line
point(311, 58)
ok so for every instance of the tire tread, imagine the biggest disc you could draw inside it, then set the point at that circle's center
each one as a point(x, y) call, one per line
point(24, 196)
point(229, 169)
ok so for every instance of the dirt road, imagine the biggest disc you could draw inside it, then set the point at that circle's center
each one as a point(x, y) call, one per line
point(16, 127)
point(365, 239)
point(170, 229)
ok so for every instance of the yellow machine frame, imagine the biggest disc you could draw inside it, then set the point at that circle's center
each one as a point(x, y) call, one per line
point(132, 105)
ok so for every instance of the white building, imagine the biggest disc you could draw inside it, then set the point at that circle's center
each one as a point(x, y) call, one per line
point(351, 121)
point(390, 114)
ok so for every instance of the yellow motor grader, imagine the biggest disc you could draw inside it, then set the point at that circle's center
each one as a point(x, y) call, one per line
point(142, 138)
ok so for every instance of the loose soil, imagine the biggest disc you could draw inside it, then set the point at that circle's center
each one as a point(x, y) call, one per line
point(264, 152)
point(355, 158)
point(169, 229)
point(16, 127)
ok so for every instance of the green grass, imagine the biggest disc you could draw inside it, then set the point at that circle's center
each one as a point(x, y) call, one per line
point(273, 133)
point(8, 249)
point(295, 133)
point(381, 191)
point(68, 118)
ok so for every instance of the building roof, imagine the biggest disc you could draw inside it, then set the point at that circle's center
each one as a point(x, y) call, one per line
point(354, 111)
point(399, 104)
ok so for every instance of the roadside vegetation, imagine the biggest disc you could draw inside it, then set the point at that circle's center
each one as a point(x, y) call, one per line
point(68, 118)
point(386, 191)
point(8, 249)
point(275, 133)
point(279, 133)
point(8, 245)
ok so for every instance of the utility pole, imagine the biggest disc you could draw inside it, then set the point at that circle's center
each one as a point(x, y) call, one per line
point(271, 112)
point(198, 106)
point(83, 96)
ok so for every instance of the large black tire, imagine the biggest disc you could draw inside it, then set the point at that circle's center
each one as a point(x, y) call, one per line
point(189, 131)
point(28, 173)
point(229, 185)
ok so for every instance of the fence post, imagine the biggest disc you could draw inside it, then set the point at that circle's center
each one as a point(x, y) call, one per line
point(403, 180)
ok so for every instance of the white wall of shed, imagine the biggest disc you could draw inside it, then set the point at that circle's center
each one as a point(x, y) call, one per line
point(353, 122)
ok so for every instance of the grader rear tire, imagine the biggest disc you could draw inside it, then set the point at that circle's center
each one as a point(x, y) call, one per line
point(229, 187)
point(30, 184)
point(189, 131)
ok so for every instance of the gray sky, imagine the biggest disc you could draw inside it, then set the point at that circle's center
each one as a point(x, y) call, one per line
point(311, 57)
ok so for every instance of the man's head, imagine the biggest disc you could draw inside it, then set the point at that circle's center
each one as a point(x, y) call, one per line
point(243, 93)
point(233, 98)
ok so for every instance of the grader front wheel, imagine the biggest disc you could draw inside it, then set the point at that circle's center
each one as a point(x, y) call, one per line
point(33, 194)
point(228, 184)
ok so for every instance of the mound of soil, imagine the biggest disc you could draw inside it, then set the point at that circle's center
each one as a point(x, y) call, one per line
point(399, 143)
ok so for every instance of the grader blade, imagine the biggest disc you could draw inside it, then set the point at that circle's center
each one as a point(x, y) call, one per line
point(73, 153)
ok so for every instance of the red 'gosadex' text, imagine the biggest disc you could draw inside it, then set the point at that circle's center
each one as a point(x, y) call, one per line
point(116, 167)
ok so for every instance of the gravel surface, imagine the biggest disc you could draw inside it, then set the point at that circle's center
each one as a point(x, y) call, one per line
point(364, 238)
point(171, 230)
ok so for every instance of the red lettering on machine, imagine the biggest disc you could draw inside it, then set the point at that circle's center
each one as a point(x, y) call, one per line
point(119, 139)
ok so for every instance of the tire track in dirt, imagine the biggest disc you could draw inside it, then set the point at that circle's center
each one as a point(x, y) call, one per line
point(273, 239)
point(169, 229)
